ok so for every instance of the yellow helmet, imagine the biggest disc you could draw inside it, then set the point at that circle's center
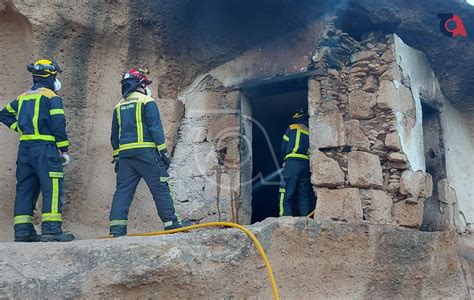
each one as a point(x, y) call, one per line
point(300, 113)
point(44, 68)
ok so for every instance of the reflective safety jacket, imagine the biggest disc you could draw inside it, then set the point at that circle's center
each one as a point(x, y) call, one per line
point(136, 126)
point(38, 116)
point(296, 142)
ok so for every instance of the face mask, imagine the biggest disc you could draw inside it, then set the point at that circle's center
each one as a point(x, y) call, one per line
point(148, 91)
point(57, 85)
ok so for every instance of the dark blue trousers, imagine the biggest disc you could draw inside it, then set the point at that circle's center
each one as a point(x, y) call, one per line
point(296, 194)
point(39, 168)
point(149, 166)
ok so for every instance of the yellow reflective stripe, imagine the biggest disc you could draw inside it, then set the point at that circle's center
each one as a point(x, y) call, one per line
point(139, 122)
point(36, 116)
point(119, 120)
point(23, 219)
point(10, 109)
point(55, 196)
point(294, 153)
point(162, 147)
point(116, 152)
point(164, 179)
point(297, 142)
point(286, 138)
point(51, 217)
point(297, 155)
point(58, 111)
point(14, 126)
point(282, 196)
point(137, 145)
point(56, 174)
point(168, 223)
point(118, 222)
point(304, 131)
point(62, 144)
point(35, 137)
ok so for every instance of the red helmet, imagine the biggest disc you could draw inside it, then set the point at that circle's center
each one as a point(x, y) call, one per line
point(139, 74)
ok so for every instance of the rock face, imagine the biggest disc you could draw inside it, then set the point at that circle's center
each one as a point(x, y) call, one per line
point(310, 260)
point(176, 40)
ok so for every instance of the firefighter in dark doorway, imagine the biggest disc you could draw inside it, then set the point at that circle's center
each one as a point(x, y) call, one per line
point(296, 198)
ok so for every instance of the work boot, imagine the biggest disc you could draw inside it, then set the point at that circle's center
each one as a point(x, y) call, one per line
point(117, 235)
point(118, 231)
point(60, 237)
point(28, 239)
point(178, 224)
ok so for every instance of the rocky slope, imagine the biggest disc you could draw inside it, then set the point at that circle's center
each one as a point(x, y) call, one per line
point(310, 260)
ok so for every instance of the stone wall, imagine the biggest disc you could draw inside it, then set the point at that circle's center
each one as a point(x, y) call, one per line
point(207, 156)
point(366, 135)
point(212, 161)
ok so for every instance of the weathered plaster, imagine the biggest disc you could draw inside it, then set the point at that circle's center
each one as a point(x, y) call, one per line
point(459, 162)
point(413, 67)
point(458, 136)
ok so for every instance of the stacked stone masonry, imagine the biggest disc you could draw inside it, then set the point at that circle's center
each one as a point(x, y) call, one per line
point(360, 171)
point(207, 156)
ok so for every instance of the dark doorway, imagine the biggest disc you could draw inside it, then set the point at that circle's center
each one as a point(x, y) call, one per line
point(273, 104)
point(435, 215)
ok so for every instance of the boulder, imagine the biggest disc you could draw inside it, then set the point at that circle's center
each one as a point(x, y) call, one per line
point(416, 185)
point(360, 105)
point(325, 171)
point(338, 204)
point(398, 158)
point(363, 55)
point(356, 137)
point(408, 213)
point(314, 96)
point(327, 130)
point(392, 141)
point(380, 208)
point(364, 170)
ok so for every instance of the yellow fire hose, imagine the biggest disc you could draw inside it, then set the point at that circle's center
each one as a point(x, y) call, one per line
point(224, 224)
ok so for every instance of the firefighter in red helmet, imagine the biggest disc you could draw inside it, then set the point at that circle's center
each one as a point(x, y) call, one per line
point(140, 151)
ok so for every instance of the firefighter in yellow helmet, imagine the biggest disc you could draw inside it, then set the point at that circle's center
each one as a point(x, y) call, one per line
point(296, 198)
point(39, 119)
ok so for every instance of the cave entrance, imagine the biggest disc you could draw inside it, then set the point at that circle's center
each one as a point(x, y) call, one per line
point(434, 218)
point(272, 103)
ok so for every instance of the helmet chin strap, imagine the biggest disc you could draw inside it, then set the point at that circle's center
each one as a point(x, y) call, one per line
point(57, 84)
point(148, 91)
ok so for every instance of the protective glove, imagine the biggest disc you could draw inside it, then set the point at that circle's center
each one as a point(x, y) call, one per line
point(164, 157)
point(166, 161)
point(65, 158)
point(116, 162)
